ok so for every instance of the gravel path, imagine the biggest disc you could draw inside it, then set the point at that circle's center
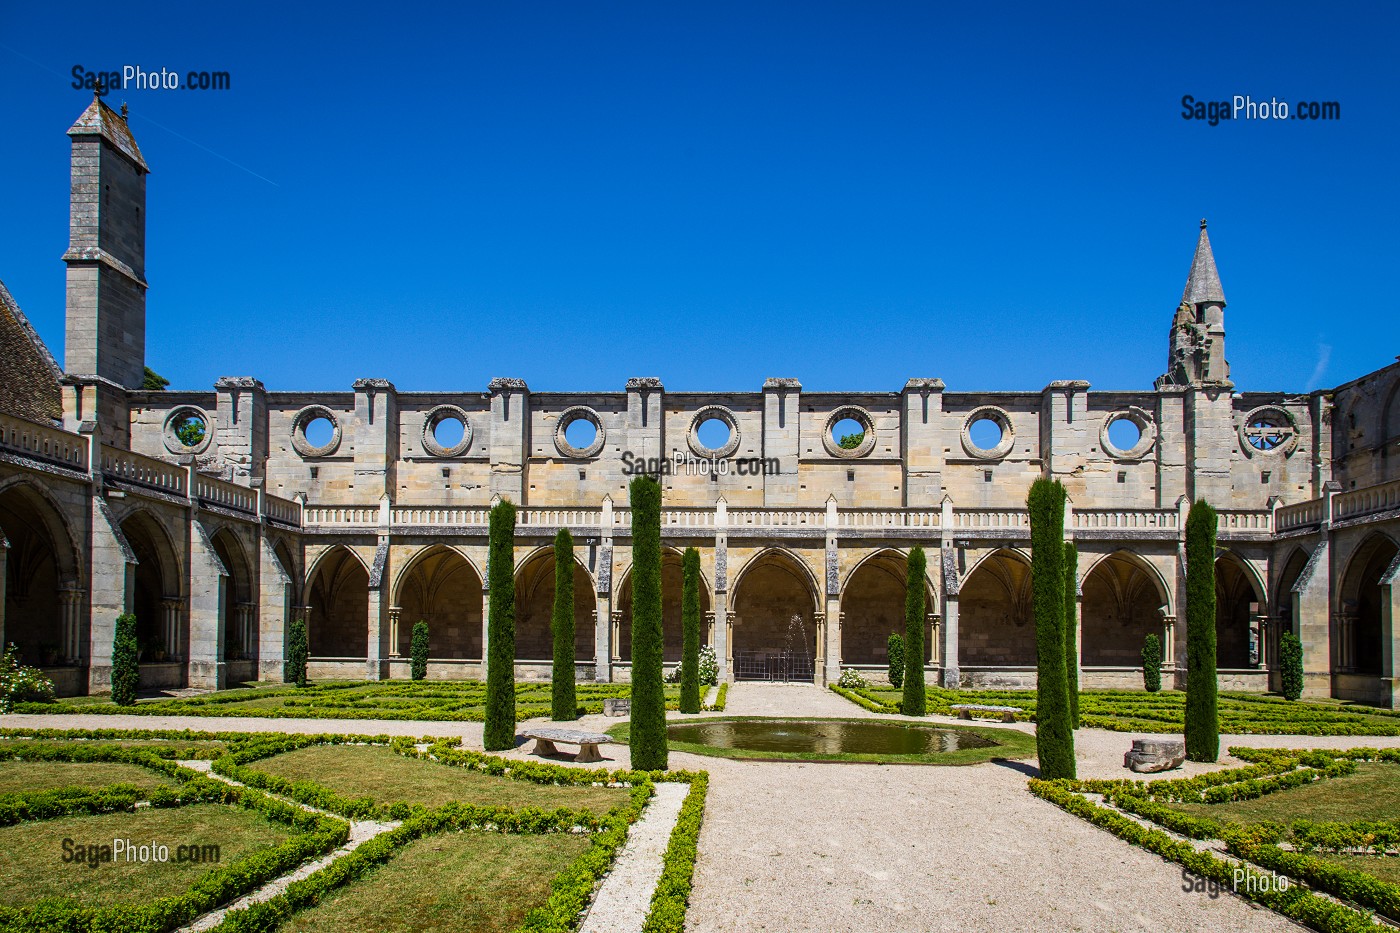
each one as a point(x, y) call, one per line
point(836, 847)
point(621, 904)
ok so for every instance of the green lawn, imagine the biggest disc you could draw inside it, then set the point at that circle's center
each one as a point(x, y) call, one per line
point(1140, 711)
point(31, 854)
point(1372, 793)
point(484, 882)
point(18, 777)
point(388, 777)
point(446, 701)
point(1384, 867)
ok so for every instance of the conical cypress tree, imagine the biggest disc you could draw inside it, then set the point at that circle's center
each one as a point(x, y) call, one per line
point(690, 631)
point(1202, 718)
point(418, 651)
point(1072, 630)
point(499, 728)
point(915, 699)
point(1290, 658)
point(648, 727)
point(1054, 733)
point(565, 701)
point(126, 670)
point(296, 654)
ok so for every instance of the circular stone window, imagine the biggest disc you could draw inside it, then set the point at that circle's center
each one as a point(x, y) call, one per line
point(1268, 430)
point(849, 433)
point(1128, 434)
point(707, 436)
point(315, 431)
point(571, 434)
point(446, 431)
point(188, 430)
point(987, 434)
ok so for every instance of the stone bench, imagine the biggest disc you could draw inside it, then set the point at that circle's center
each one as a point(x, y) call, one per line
point(965, 711)
point(587, 742)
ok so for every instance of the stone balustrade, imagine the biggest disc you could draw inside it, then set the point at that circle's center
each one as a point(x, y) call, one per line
point(1126, 519)
point(285, 511)
point(41, 442)
point(212, 491)
point(140, 470)
point(1357, 503)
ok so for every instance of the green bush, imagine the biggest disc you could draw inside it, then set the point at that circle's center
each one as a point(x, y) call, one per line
point(1054, 731)
point(894, 646)
point(1202, 716)
point(296, 654)
point(563, 695)
point(1151, 664)
point(690, 631)
point(1072, 630)
point(915, 699)
point(1290, 659)
point(498, 731)
point(418, 651)
point(851, 679)
point(20, 684)
point(126, 671)
point(648, 723)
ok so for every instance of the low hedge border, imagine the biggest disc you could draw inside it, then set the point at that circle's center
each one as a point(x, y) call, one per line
point(1317, 912)
point(672, 895)
point(1344, 883)
point(863, 701)
point(721, 697)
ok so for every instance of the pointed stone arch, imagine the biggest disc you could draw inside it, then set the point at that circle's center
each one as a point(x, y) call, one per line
point(995, 617)
point(534, 608)
point(41, 573)
point(777, 606)
point(337, 592)
point(158, 601)
point(673, 633)
point(240, 602)
point(1366, 608)
point(441, 586)
point(1123, 596)
point(872, 606)
point(1239, 600)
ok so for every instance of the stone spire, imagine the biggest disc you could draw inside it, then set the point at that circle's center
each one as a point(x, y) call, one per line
point(1203, 284)
point(1196, 352)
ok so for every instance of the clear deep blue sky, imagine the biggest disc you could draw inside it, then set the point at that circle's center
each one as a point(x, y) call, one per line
point(852, 194)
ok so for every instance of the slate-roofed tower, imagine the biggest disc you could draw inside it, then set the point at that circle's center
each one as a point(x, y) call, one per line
point(106, 257)
point(1197, 353)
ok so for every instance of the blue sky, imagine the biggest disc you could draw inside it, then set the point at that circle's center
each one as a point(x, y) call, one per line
point(852, 194)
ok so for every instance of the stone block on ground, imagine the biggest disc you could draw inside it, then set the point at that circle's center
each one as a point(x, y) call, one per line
point(1148, 756)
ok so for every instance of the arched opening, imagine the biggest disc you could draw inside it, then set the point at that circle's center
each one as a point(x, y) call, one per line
point(1121, 607)
point(338, 626)
point(1284, 599)
point(775, 631)
point(673, 634)
point(240, 615)
point(1365, 603)
point(161, 629)
point(33, 578)
point(1237, 604)
point(872, 608)
point(442, 589)
point(534, 610)
point(996, 622)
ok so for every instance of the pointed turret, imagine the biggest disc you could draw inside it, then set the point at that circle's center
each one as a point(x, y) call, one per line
point(1196, 355)
point(1203, 284)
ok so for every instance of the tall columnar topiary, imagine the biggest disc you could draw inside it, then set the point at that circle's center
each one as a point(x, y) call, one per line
point(499, 728)
point(1054, 732)
point(894, 647)
point(690, 631)
point(296, 653)
point(126, 670)
point(564, 701)
point(1152, 664)
point(1202, 719)
point(1290, 658)
point(1072, 631)
point(418, 651)
point(915, 700)
point(648, 727)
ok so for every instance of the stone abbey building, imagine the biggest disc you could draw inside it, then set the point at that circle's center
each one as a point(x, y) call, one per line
point(218, 516)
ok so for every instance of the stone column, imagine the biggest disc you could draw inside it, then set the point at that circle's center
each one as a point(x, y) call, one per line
point(276, 593)
point(394, 614)
point(1390, 631)
point(819, 662)
point(933, 619)
point(247, 630)
point(209, 595)
point(724, 659)
point(604, 629)
point(171, 615)
point(1346, 648)
point(832, 584)
point(4, 575)
point(726, 662)
point(1262, 624)
point(1168, 643)
point(113, 591)
point(71, 608)
point(615, 623)
point(376, 659)
point(952, 676)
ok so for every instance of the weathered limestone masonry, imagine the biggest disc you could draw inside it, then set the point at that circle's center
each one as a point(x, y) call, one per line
point(362, 513)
